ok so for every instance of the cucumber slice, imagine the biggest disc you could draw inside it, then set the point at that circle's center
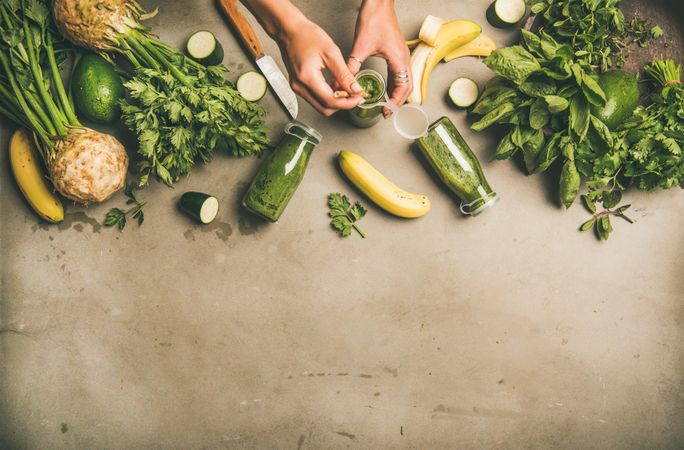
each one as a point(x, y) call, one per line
point(464, 92)
point(506, 13)
point(205, 49)
point(202, 207)
point(252, 86)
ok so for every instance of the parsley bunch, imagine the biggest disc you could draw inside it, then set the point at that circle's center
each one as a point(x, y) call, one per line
point(181, 121)
point(653, 138)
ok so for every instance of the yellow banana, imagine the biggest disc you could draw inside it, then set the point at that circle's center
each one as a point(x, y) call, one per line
point(451, 35)
point(483, 45)
point(26, 166)
point(413, 43)
point(380, 190)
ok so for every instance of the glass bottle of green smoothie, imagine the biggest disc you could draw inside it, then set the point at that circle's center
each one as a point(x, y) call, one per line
point(373, 85)
point(282, 171)
point(457, 166)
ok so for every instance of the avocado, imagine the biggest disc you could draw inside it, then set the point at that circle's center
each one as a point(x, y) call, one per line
point(96, 89)
point(622, 97)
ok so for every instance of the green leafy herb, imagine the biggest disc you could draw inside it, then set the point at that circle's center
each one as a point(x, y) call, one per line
point(344, 215)
point(600, 221)
point(180, 123)
point(118, 216)
point(544, 94)
point(596, 30)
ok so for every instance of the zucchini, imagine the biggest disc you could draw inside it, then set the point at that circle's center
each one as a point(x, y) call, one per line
point(252, 86)
point(204, 48)
point(202, 207)
point(506, 13)
point(464, 92)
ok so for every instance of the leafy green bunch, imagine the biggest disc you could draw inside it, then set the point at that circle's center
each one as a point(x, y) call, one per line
point(181, 121)
point(544, 95)
point(596, 29)
point(653, 138)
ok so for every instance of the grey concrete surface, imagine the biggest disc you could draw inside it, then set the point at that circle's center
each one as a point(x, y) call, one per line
point(509, 330)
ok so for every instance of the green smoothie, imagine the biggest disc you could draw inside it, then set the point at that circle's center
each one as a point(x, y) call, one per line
point(457, 166)
point(372, 87)
point(281, 173)
point(368, 114)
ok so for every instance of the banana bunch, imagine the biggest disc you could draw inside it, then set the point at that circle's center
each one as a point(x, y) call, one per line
point(439, 40)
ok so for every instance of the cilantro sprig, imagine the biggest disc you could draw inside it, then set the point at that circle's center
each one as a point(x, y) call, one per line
point(117, 216)
point(344, 215)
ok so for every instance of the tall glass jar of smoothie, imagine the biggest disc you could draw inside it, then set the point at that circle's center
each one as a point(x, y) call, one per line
point(457, 166)
point(373, 85)
point(282, 171)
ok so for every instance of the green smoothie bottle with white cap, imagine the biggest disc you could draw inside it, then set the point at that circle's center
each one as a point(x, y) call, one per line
point(457, 166)
point(281, 173)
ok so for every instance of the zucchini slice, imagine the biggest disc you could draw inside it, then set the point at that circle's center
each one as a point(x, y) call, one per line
point(252, 86)
point(202, 207)
point(204, 48)
point(506, 13)
point(464, 92)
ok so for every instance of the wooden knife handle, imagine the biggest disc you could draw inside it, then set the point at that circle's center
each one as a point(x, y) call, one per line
point(241, 27)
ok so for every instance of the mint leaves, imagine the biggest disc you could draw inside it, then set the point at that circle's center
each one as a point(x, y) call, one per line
point(600, 221)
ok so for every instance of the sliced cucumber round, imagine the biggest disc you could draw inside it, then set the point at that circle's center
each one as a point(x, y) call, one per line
point(204, 48)
point(464, 92)
point(202, 207)
point(252, 86)
point(506, 13)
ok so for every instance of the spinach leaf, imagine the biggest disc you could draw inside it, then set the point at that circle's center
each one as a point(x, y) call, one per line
point(497, 115)
point(513, 63)
point(592, 91)
point(539, 114)
point(556, 104)
point(579, 117)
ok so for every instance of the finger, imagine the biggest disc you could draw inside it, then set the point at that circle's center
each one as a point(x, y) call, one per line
point(303, 92)
point(357, 57)
point(341, 73)
point(401, 78)
point(325, 95)
point(400, 92)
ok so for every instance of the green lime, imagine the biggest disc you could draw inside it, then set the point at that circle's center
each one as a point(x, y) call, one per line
point(96, 89)
point(622, 97)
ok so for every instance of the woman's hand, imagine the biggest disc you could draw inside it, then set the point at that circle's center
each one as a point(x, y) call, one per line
point(378, 34)
point(308, 51)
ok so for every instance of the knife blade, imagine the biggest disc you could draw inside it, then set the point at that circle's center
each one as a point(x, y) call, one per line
point(266, 64)
point(276, 79)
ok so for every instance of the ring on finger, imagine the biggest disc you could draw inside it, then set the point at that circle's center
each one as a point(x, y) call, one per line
point(401, 81)
point(354, 58)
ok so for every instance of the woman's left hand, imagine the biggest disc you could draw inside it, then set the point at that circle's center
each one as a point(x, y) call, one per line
point(378, 34)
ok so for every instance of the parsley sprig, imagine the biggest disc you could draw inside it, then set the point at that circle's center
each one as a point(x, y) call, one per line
point(118, 216)
point(345, 215)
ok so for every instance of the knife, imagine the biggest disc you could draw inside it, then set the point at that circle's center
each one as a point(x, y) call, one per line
point(275, 77)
